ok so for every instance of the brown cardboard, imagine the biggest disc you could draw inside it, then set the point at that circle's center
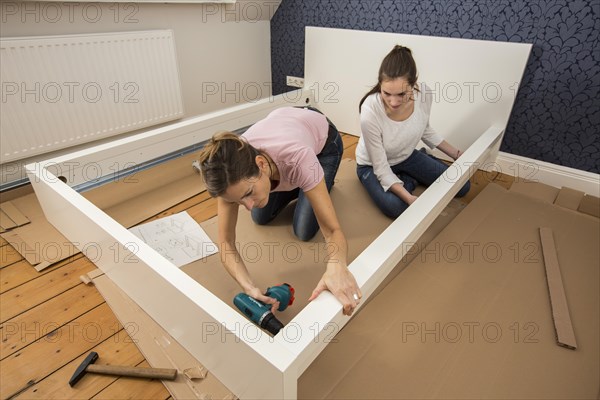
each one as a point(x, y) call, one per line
point(129, 201)
point(569, 198)
point(274, 255)
point(13, 213)
point(6, 222)
point(361, 224)
point(38, 242)
point(590, 205)
point(31, 249)
point(558, 300)
point(536, 190)
point(475, 324)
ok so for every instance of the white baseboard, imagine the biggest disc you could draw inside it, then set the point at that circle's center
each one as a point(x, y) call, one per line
point(547, 173)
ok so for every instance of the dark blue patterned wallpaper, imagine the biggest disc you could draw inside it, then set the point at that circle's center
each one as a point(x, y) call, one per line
point(556, 117)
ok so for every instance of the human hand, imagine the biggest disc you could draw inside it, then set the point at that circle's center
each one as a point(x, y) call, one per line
point(341, 283)
point(458, 153)
point(411, 199)
point(255, 293)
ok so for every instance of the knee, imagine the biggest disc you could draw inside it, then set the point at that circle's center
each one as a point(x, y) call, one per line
point(392, 214)
point(393, 209)
point(260, 218)
point(304, 233)
point(464, 190)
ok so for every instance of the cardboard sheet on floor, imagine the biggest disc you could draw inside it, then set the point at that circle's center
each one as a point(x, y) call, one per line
point(274, 255)
point(284, 258)
point(11, 217)
point(129, 201)
point(540, 191)
point(590, 205)
point(38, 242)
point(569, 198)
point(470, 317)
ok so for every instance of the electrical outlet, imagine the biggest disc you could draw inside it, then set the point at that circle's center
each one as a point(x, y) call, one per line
point(295, 81)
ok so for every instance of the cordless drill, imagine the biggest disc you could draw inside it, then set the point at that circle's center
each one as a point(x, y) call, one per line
point(260, 313)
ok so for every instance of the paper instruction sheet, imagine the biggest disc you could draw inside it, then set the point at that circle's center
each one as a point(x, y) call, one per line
point(178, 238)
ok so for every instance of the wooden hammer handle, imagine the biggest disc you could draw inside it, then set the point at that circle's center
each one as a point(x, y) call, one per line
point(138, 372)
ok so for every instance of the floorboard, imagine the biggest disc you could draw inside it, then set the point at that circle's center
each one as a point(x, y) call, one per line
point(118, 349)
point(50, 352)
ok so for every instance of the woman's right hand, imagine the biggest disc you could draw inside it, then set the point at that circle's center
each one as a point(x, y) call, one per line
point(255, 293)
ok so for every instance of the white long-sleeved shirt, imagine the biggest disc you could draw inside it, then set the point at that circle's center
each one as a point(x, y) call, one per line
point(385, 142)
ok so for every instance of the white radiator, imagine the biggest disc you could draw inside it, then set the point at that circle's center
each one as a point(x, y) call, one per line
point(61, 91)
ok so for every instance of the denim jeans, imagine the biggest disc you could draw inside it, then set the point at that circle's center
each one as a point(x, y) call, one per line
point(305, 223)
point(418, 168)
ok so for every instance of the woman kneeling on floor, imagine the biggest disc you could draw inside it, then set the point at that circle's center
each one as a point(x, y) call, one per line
point(294, 153)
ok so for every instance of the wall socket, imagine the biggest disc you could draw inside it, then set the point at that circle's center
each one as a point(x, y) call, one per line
point(295, 81)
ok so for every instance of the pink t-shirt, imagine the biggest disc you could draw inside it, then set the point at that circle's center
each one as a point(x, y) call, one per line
point(292, 137)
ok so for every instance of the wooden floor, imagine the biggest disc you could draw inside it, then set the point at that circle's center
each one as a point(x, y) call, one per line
point(49, 320)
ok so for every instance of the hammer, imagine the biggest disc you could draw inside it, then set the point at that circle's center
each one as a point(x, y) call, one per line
point(139, 372)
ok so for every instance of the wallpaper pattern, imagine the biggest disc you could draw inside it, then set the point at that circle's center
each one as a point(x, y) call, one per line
point(556, 117)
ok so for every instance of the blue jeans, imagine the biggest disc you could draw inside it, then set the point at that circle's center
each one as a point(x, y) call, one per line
point(418, 168)
point(305, 222)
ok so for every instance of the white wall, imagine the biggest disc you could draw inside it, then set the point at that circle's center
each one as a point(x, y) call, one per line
point(223, 50)
point(221, 62)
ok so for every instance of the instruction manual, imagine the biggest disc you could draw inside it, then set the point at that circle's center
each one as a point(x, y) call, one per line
point(178, 238)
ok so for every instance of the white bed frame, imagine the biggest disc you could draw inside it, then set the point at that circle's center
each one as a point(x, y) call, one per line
point(249, 362)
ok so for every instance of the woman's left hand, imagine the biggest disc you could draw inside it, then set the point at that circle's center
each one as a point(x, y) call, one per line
point(341, 283)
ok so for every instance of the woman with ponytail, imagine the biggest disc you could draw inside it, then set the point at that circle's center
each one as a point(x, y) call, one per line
point(294, 153)
point(394, 117)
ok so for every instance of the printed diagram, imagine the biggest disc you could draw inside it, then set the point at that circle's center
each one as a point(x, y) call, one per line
point(178, 238)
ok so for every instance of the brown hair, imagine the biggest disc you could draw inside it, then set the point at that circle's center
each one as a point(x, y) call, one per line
point(398, 63)
point(225, 160)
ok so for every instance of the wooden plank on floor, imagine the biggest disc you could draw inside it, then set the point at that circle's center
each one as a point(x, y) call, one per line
point(39, 321)
point(21, 272)
point(118, 349)
point(204, 211)
point(349, 140)
point(183, 206)
point(35, 292)
point(131, 388)
point(41, 358)
point(15, 193)
point(16, 274)
point(350, 152)
point(8, 256)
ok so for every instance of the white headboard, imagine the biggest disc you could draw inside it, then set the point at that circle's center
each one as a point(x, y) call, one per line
point(474, 81)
